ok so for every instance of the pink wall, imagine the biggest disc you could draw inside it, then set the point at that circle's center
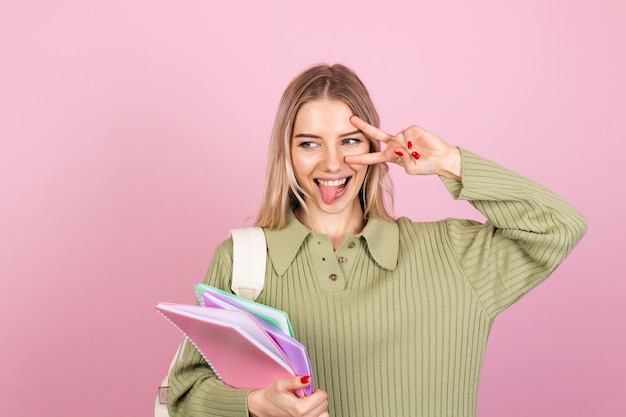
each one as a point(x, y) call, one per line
point(133, 136)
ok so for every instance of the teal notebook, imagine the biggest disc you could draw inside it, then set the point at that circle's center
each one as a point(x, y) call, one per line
point(273, 316)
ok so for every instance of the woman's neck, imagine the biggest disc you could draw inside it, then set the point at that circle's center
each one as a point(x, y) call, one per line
point(335, 225)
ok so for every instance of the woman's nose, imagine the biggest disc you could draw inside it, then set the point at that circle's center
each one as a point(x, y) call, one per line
point(333, 159)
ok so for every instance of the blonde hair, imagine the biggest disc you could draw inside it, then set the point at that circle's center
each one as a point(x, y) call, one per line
point(282, 193)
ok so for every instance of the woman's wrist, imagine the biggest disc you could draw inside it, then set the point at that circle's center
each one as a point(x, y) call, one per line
point(252, 401)
point(451, 164)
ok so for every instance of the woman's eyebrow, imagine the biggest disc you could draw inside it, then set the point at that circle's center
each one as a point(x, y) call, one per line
point(356, 132)
point(312, 136)
point(307, 135)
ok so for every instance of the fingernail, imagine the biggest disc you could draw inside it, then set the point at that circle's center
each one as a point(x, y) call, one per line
point(305, 379)
point(398, 153)
point(409, 144)
point(415, 154)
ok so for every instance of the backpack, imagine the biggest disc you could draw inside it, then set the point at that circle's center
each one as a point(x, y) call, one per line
point(249, 254)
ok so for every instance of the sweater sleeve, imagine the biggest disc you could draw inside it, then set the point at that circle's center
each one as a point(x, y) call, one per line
point(529, 231)
point(195, 391)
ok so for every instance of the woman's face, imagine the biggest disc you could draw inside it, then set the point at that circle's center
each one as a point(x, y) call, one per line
point(322, 136)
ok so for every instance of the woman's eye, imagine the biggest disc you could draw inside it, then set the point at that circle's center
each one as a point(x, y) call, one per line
point(351, 141)
point(307, 145)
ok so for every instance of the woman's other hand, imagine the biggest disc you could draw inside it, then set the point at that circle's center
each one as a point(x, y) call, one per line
point(419, 151)
point(278, 400)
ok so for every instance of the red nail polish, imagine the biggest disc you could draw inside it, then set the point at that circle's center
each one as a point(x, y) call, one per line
point(398, 153)
point(305, 379)
point(415, 155)
point(409, 144)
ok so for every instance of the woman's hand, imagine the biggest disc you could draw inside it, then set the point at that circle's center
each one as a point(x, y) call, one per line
point(278, 400)
point(419, 151)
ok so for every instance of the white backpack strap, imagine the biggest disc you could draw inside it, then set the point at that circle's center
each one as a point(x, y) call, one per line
point(160, 403)
point(249, 259)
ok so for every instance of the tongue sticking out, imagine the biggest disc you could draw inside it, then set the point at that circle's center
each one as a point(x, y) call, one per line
point(329, 192)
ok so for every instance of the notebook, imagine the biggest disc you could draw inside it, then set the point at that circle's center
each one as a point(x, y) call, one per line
point(276, 317)
point(242, 354)
point(295, 352)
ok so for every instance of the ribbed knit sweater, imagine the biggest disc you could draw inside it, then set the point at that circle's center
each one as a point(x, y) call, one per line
point(396, 319)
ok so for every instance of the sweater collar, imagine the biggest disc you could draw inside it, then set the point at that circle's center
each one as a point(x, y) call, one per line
point(382, 239)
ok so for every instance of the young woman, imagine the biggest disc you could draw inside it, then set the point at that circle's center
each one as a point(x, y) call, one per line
point(395, 314)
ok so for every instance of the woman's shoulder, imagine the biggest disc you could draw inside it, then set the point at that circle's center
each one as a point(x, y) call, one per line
point(224, 250)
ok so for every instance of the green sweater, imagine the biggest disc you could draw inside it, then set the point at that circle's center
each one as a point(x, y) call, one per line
point(396, 320)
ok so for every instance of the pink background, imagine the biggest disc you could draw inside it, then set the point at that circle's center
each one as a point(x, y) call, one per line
point(133, 136)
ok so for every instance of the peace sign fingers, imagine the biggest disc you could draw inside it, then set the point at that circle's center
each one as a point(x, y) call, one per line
point(394, 150)
point(369, 130)
point(417, 150)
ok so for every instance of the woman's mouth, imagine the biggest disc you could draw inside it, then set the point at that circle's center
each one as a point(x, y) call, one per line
point(332, 189)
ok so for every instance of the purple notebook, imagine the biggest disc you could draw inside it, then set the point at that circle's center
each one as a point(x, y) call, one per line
point(294, 351)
